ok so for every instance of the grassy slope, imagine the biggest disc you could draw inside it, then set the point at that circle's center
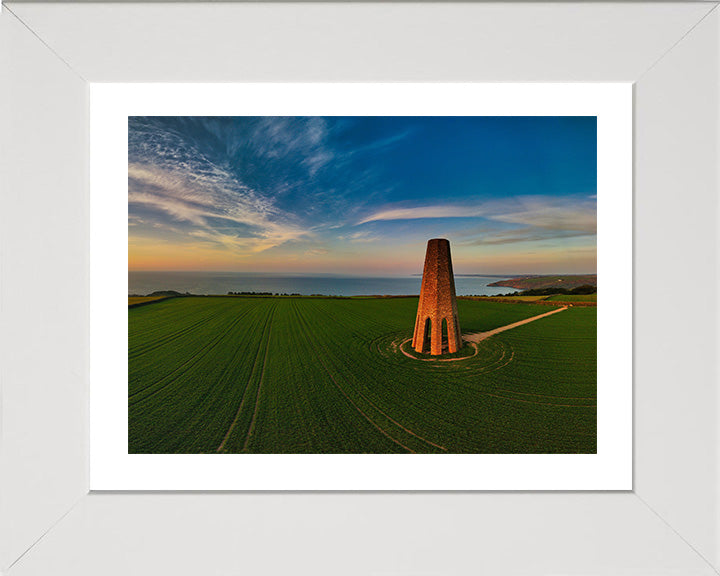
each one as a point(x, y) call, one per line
point(321, 375)
point(558, 281)
point(573, 298)
point(143, 299)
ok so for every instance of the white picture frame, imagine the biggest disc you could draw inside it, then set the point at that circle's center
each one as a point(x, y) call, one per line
point(49, 523)
point(112, 467)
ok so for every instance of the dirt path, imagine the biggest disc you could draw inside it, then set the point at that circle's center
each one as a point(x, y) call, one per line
point(480, 336)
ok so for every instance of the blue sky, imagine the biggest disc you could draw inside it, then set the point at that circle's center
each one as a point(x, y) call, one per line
point(362, 195)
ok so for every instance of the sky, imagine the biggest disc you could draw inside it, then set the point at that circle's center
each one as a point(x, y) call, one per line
point(362, 195)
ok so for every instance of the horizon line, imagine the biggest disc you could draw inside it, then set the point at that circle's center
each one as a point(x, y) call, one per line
point(289, 273)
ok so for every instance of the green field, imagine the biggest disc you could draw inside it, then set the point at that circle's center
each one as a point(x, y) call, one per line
point(521, 298)
point(271, 375)
point(134, 300)
point(573, 298)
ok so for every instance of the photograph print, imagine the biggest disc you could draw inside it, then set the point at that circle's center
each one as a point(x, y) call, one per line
point(360, 284)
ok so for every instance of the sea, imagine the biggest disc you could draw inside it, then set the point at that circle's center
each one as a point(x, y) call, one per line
point(144, 282)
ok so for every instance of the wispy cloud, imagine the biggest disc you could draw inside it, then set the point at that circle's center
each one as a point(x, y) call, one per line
point(317, 252)
point(383, 143)
point(300, 139)
point(195, 177)
point(204, 201)
point(256, 175)
point(511, 220)
point(550, 213)
point(528, 234)
point(361, 237)
point(419, 212)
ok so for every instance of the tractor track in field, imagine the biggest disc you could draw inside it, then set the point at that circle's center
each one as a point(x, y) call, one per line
point(512, 356)
point(534, 402)
point(550, 396)
point(436, 359)
point(362, 413)
point(496, 364)
point(141, 351)
point(266, 328)
point(229, 366)
point(172, 376)
point(353, 404)
point(251, 428)
point(382, 412)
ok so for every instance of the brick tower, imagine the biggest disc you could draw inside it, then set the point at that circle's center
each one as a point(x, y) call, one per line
point(437, 304)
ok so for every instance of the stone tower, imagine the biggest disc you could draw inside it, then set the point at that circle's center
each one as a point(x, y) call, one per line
point(437, 306)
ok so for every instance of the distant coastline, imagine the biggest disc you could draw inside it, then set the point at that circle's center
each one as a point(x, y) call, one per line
point(566, 281)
